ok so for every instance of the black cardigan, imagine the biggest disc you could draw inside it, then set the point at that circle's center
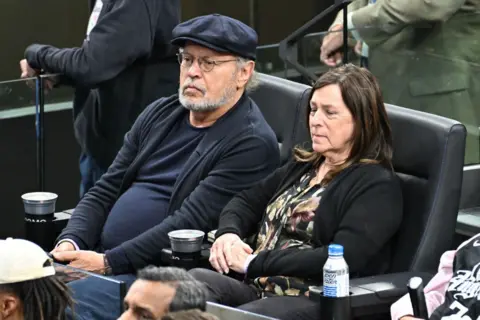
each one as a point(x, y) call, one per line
point(360, 209)
point(238, 150)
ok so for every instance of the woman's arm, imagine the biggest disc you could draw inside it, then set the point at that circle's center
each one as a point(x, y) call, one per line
point(243, 213)
point(367, 225)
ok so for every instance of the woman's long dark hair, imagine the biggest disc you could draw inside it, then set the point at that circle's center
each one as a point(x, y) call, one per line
point(42, 299)
point(372, 136)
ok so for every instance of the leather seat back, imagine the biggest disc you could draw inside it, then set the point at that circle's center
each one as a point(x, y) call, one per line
point(428, 159)
point(281, 102)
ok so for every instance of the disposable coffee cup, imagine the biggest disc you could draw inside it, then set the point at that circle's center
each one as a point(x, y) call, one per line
point(39, 210)
point(186, 247)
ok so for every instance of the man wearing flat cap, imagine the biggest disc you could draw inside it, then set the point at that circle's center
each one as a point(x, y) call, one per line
point(185, 157)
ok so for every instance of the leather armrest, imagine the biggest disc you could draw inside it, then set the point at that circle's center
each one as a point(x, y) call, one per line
point(60, 221)
point(374, 295)
point(166, 256)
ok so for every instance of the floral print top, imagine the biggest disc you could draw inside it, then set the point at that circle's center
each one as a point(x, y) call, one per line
point(289, 223)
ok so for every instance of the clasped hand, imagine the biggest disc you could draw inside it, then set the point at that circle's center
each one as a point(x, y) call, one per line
point(229, 252)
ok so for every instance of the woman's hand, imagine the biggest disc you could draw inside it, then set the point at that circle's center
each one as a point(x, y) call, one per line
point(227, 251)
point(239, 258)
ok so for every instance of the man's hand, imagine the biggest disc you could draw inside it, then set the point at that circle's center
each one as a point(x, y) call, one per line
point(409, 318)
point(64, 246)
point(331, 44)
point(86, 260)
point(221, 255)
point(27, 71)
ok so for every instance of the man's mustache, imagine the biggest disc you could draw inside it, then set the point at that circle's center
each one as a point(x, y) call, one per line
point(189, 84)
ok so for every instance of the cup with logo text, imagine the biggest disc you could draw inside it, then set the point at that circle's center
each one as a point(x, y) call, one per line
point(186, 247)
point(39, 210)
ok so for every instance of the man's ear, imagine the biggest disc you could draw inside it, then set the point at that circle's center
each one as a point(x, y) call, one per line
point(245, 73)
point(9, 304)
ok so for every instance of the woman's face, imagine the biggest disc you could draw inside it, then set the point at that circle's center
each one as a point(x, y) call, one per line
point(331, 123)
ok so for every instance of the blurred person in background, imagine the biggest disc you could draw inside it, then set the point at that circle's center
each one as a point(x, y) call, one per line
point(29, 288)
point(425, 54)
point(125, 62)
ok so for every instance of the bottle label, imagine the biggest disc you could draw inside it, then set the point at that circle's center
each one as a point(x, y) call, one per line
point(335, 284)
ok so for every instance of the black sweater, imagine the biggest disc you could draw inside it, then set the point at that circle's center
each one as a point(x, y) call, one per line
point(360, 209)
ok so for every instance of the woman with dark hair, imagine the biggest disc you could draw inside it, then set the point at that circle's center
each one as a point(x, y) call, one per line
point(342, 190)
point(29, 288)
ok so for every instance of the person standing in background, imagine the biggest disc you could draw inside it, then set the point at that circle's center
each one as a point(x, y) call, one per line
point(125, 62)
point(425, 55)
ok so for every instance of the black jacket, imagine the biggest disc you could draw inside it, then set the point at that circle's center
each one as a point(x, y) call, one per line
point(236, 152)
point(360, 209)
point(126, 63)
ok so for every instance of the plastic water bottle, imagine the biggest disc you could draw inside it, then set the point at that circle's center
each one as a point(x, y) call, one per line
point(335, 273)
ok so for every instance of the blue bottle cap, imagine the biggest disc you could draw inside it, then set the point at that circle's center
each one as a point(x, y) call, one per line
point(335, 250)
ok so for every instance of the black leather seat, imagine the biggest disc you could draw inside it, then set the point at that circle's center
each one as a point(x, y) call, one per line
point(281, 102)
point(428, 158)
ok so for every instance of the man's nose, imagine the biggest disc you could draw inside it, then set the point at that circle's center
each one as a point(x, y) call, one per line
point(194, 70)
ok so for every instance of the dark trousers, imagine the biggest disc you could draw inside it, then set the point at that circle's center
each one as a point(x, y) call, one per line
point(90, 173)
point(233, 293)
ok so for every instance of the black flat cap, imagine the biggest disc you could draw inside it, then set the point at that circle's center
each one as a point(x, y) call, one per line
point(219, 33)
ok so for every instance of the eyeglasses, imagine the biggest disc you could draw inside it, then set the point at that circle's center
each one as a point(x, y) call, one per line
point(206, 65)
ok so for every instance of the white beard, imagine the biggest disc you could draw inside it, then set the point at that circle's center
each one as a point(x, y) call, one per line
point(206, 105)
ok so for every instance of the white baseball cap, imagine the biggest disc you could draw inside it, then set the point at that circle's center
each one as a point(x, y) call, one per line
point(22, 260)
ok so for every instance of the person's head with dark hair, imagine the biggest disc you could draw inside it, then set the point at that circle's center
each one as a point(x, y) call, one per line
point(159, 290)
point(29, 288)
point(347, 121)
point(193, 314)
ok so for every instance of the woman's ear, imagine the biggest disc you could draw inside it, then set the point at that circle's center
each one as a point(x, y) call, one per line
point(9, 305)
